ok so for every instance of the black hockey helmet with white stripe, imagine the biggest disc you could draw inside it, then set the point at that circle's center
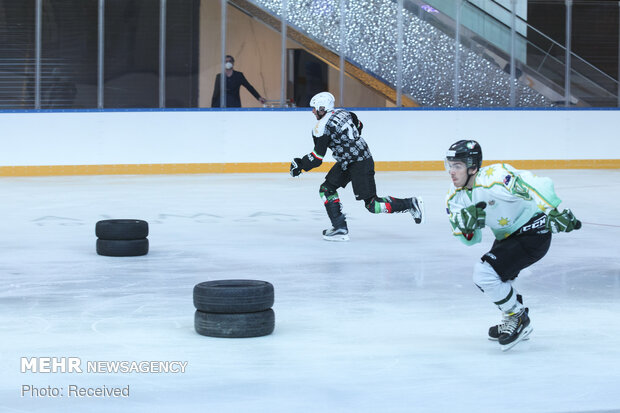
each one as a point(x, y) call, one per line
point(467, 151)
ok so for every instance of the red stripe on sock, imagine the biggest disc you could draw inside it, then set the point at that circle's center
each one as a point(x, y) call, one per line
point(335, 200)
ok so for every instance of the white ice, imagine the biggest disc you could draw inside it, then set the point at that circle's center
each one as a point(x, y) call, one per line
point(388, 322)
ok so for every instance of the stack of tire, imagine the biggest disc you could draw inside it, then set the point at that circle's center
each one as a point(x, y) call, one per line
point(122, 237)
point(234, 308)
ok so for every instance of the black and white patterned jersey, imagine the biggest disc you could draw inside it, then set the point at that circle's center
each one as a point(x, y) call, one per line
point(338, 132)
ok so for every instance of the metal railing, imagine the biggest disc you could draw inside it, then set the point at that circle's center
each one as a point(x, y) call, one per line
point(423, 51)
point(432, 73)
point(544, 57)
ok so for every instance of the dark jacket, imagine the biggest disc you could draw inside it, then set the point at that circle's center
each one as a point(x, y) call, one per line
point(233, 84)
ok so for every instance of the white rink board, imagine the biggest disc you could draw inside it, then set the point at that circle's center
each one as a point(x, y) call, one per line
point(214, 136)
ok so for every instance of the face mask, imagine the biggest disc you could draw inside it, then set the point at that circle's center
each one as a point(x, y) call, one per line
point(228, 65)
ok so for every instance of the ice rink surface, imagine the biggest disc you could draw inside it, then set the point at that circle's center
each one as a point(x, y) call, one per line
point(388, 322)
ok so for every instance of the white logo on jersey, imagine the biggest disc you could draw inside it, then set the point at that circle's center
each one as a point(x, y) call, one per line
point(540, 222)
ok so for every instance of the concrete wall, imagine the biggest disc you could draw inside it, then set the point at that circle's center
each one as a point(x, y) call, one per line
point(399, 139)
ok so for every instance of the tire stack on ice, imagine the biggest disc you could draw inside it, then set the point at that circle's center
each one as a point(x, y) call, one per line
point(234, 308)
point(122, 237)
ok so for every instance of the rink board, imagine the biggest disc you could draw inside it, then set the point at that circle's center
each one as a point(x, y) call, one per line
point(249, 141)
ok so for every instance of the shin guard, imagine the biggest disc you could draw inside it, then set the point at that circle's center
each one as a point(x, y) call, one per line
point(333, 206)
point(388, 205)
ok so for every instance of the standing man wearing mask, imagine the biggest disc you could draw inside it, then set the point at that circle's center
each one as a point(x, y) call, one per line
point(234, 80)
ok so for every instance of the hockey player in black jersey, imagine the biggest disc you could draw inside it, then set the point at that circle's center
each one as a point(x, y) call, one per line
point(340, 131)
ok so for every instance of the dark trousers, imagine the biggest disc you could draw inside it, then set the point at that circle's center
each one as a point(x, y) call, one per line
point(361, 175)
point(522, 249)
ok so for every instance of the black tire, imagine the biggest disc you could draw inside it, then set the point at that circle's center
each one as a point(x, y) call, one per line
point(122, 229)
point(233, 296)
point(122, 248)
point(240, 325)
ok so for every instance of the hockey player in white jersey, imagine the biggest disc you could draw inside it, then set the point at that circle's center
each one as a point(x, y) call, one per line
point(340, 130)
point(521, 211)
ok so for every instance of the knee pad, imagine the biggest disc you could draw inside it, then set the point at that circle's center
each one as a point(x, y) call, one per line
point(328, 193)
point(488, 280)
point(371, 204)
point(485, 276)
point(378, 205)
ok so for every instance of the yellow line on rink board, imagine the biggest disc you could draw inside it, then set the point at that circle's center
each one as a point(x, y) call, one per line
point(517, 163)
point(283, 167)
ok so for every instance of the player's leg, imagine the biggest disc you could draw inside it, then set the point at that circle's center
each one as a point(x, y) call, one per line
point(499, 329)
point(335, 178)
point(390, 204)
point(387, 204)
point(364, 188)
point(515, 320)
point(494, 276)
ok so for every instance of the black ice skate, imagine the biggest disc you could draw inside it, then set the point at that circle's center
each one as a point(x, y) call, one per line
point(499, 329)
point(516, 328)
point(336, 234)
point(418, 210)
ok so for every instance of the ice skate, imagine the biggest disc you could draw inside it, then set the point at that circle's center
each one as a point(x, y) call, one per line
point(336, 234)
point(516, 328)
point(418, 210)
point(497, 330)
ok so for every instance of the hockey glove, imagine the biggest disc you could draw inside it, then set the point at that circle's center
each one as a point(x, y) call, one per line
point(471, 218)
point(563, 221)
point(296, 167)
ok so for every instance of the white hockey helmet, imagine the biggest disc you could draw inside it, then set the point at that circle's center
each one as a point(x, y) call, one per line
point(323, 101)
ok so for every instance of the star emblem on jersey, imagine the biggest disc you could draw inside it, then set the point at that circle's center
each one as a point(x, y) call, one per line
point(503, 221)
point(490, 172)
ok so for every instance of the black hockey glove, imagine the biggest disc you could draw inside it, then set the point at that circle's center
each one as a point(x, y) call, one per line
point(296, 167)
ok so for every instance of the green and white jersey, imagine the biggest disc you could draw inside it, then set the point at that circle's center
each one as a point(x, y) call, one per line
point(513, 197)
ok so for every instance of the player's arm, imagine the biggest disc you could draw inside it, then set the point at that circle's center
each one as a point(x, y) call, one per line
point(527, 186)
point(313, 159)
point(540, 189)
point(358, 123)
